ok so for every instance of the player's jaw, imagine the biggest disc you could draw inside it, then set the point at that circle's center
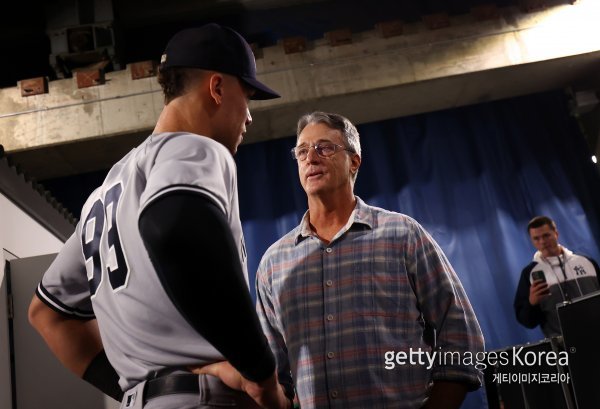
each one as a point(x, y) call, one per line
point(241, 131)
point(236, 116)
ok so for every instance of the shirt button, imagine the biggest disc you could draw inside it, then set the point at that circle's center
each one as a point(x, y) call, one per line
point(330, 355)
point(329, 249)
point(334, 394)
point(328, 283)
point(330, 317)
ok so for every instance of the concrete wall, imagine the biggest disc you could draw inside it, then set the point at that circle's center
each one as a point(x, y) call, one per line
point(72, 130)
point(323, 72)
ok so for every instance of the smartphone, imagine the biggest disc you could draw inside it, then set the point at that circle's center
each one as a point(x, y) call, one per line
point(538, 275)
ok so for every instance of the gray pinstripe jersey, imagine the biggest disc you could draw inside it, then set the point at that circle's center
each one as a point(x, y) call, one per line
point(104, 269)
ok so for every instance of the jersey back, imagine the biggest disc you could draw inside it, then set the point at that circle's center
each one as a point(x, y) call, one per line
point(104, 269)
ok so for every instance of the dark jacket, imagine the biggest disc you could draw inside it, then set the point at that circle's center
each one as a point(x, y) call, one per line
point(577, 276)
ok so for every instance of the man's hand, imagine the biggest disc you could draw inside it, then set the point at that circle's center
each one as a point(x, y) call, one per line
point(538, 291)
point(268, 393)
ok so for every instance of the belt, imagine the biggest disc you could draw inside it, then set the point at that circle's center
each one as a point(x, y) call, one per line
point(170, 385)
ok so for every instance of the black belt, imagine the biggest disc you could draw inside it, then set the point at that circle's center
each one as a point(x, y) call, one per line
point(170, 385)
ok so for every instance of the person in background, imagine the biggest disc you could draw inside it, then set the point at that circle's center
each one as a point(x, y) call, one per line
point(555, 275)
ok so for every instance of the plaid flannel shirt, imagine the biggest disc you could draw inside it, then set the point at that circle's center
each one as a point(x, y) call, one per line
point(331, 312)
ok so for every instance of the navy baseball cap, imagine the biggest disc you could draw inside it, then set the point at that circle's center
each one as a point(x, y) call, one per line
point(216, 48)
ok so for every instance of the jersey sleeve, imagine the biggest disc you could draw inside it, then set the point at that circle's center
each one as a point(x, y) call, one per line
point(191, 162)
point(64, 286)
point(182, 228)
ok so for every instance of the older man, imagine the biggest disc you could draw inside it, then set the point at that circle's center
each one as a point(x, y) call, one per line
point(352, 284)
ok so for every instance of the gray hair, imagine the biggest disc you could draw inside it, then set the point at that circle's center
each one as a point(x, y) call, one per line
point(333, 121)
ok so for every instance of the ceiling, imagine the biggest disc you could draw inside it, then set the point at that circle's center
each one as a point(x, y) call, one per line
point(143, 27)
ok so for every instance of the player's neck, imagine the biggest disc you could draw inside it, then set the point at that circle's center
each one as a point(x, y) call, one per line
point(182, 116)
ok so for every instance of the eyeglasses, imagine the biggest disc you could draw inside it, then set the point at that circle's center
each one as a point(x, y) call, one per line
point(323, 149)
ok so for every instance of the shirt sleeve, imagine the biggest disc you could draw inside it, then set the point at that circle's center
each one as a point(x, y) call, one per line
point(528, 315)
point(64, 286)
point(191, 162)
point(269, 323)
point(445, 308)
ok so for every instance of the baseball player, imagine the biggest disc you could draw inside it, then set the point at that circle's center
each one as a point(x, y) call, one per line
point(153, 283)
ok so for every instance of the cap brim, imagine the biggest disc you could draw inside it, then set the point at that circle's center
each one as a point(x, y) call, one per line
point(262, 91)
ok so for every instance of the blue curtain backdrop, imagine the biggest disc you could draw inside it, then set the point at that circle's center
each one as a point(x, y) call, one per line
point(472, 176)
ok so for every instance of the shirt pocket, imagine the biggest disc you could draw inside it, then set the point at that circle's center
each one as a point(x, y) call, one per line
point(383, 288)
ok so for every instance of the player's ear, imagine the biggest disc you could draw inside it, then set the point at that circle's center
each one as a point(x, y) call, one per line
point(215, 84)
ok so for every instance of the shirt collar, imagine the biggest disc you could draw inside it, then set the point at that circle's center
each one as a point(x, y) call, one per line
point(360, 215)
